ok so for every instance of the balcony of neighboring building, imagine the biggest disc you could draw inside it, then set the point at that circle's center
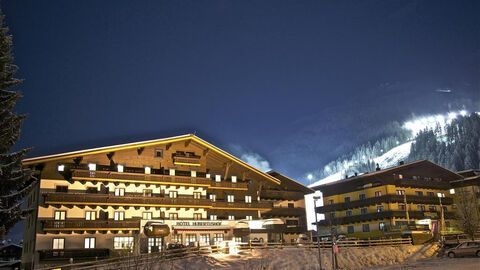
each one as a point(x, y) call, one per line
point(66, 254)
point(284, 212)
point(389, 198)
point(130, 199)
point(282, 195)
point(228, 185)
point(254, 205)
point(91, 225)
point(384, 215)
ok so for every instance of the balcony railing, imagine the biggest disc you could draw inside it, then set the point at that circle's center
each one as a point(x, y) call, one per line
point(149, 178)
point(383, 199)
point(285, 212)
point(384, 215)
point(109, 199)
point(191, 160)
point(228, 185)
point(65, 254)
point(420, 183)
point(81, 224)
point(242, 205)
point(281, 195)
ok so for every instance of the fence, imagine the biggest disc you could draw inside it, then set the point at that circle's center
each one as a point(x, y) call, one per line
point(145, 261)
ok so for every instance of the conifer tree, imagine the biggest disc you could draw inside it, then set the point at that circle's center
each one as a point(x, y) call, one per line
point(14, 179)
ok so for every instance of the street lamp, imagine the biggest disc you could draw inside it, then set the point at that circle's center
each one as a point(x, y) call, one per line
point(442, 217)
point(315, 198)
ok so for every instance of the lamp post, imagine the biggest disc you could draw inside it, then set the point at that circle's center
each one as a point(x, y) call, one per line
point(315, 198)
point(442, 217)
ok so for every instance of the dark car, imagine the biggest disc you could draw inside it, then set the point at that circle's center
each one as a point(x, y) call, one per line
point(470, 248)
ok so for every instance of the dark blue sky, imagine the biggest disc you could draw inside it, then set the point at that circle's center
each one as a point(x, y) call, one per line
point(298, 82)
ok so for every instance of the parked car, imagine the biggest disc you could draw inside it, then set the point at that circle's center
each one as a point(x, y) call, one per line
point(303, 239)
point(176, 250)
point(464, 249)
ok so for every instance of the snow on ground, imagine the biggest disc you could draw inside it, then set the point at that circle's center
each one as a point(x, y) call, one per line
point(293, 258)
point(434, 264)
point(392, 157)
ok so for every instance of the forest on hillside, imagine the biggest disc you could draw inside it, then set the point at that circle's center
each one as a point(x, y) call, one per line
point(456, 146)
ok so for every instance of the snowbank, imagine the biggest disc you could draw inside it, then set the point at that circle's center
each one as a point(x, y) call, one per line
point(293, 258)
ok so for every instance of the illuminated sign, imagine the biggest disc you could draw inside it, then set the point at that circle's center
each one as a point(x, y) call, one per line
point(198, 223)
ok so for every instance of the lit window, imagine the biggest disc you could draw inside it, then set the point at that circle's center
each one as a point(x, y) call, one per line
point(234, 179)
point(119, 192)
point(173, 194)
point(230, 198)
point(249, 217)
point(118, 215)
point(400, 192)
point(441, 195)
point(120, 168)
point(207, 175)
point(230, 217)
point(60, 215)
point(213, 217)
point(452, 191)
point(197, 195)
point(197, 216)
point(213, 197)
point(218, 178)
point(58, 243)
point(193, 173)
point(378, 193)
point(147, 215)
point(381, 226)
point(400, 176)
point(147, 193)
point(248, 199)
point(90, 215)
point(217, 238)
point(61, 167)
point(148, 170)
point(90, 242)
point(92, 166)
point(123, 242)
point(173, 216)
point(171, 172)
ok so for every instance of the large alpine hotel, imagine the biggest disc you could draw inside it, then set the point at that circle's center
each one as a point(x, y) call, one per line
point(95, 203)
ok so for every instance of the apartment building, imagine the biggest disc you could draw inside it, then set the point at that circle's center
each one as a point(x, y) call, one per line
point(97, 203)
point(375, 203)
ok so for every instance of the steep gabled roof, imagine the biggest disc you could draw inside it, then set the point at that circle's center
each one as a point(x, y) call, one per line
point(290, 181)
point(107, 149)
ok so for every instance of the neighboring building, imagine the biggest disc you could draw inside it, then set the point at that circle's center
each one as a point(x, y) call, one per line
point(10, 255)
point(469, 183)
point(370, 204)
point(95, 203)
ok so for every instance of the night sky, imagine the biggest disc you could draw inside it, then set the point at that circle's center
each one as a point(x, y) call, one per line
point(295, 82)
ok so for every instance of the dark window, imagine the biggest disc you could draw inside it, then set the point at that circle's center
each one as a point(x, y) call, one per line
point(347, 199)
point(61, 189)
point(330, 202)
point(447, 223)
point(421, 207)
point(363, 211)
point(350, 229)
point(401, 206)
point(332, 215)
point(92, 190)
point(366, 227)
point(348, 213)
point(419, 193)
point(432, 208)
point(430, 194)
point(444, 209)
point(380, 208)
point(291, 205)
point(158, 153)
point(381, 226)
point(292, 222)
point(361, 196)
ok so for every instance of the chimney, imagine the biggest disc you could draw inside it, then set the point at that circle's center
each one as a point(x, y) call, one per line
point(401, 162)
point(378, 167)
point(356, 174)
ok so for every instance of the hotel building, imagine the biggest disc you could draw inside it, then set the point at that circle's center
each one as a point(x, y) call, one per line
point(371, 204)
point(95, 203)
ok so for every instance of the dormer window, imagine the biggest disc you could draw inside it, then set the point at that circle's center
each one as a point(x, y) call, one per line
point(92, 166)
point(60, 167)
point(120, 168)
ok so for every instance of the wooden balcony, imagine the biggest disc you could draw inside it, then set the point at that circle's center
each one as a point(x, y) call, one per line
point(383, 199)
point(187, 160)
point(285, 212)
point(384, 215)
point(110, 176)
point(421, 183)
point(263, 205)
point(66, 254)
point(228, 185)
point(129, 200)
point(281, 195)
point(82, 224)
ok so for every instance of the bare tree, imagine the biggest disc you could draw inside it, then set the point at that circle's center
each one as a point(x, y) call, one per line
point(468, 211)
